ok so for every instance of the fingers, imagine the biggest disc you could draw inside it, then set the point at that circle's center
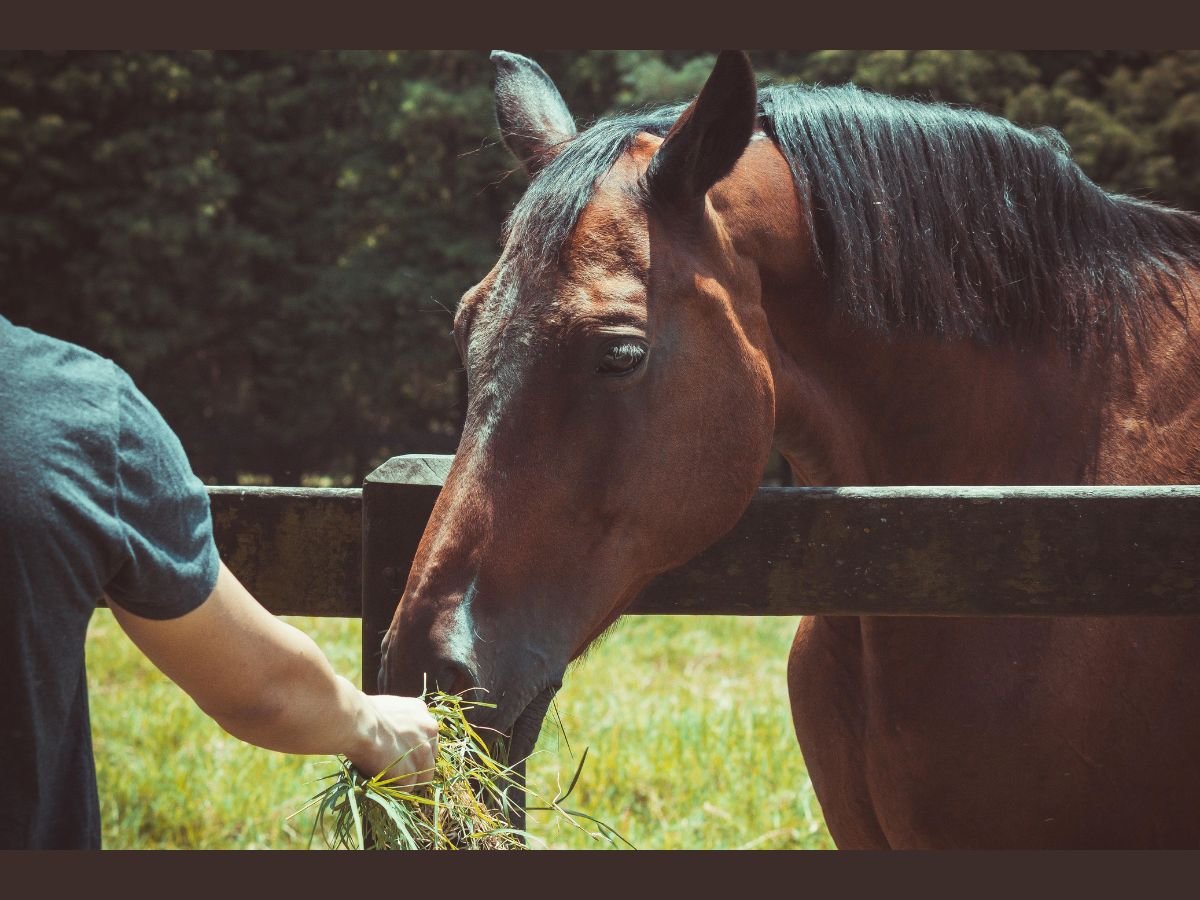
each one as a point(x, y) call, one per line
point(417, 767)
point(405, 741)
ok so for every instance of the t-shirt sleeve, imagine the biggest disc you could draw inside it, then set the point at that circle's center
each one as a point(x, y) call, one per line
point(170, 560)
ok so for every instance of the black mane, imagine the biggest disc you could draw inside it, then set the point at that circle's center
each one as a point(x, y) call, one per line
point(928, 218)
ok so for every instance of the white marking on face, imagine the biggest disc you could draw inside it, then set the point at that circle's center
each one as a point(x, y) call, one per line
point(461, 634)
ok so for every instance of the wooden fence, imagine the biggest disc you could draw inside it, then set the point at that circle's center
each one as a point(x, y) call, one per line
point(961, 551)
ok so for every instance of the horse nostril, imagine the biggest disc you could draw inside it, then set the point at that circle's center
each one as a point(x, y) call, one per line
point(450, 677)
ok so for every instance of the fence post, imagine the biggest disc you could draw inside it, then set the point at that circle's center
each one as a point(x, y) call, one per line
point(397, 500)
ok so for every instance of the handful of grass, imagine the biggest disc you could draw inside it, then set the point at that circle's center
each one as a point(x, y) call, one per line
point(461, 805)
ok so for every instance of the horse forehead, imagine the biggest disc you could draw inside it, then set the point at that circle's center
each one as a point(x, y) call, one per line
point(506, 303)
point(606, 263)
point(612, 235)
point(603, 263)
point(518, 314)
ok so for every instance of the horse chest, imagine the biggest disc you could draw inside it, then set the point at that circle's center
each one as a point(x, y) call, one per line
point(1004, 733)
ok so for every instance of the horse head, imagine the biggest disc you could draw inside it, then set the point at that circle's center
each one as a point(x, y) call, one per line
point(620, 398)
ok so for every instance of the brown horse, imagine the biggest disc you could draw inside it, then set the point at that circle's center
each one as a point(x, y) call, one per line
point(889, 293)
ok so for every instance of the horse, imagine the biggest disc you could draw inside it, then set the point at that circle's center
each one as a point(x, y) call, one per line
point(886, 292)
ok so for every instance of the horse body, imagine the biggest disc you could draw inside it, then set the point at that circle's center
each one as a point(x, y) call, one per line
point(633, 359)
point(1005, 732)
point(908, 725)
point(999, 733)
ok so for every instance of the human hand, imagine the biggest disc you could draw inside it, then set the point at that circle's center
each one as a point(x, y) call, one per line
point(402, 739)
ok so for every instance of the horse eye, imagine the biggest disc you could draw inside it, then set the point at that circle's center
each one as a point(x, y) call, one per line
point(621, 357)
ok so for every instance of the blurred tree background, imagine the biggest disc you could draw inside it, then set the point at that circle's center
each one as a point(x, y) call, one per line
point(272, 243)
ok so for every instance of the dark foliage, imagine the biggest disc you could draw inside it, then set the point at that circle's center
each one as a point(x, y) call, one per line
point(272, 243)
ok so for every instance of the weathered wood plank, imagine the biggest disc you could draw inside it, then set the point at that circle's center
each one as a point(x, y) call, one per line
point(948, 551)
point(297, 550)
point(910, 551)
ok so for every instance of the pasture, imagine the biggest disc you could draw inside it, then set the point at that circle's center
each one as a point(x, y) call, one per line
point(686, 718)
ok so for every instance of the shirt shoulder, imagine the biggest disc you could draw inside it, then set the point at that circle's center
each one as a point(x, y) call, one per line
point(100, 484)
point(59, 405)
point(171, 559)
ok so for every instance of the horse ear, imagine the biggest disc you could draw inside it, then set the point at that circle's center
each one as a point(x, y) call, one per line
point(534, 120)
point(709, 136)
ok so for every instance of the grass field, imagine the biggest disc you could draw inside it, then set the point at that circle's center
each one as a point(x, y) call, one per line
point(686, 720)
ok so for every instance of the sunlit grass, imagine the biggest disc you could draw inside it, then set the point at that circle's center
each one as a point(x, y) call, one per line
point(689, 735)
point(686, 720)
point(459, 805)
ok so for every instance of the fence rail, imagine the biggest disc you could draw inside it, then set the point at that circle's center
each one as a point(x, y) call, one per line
point(847, 551)
point(299, 551)
point(922, 551)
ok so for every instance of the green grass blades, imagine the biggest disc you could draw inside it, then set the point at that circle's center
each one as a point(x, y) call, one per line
point(460, 805)
point(686, 719)
point(689, 729)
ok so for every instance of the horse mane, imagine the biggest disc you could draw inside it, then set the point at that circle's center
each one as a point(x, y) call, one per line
point(928, 218)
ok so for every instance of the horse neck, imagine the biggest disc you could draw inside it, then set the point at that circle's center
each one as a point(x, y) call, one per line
point(857, 407)
point(1151, 418)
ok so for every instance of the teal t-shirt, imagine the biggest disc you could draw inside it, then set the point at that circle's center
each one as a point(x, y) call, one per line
point(96, 497)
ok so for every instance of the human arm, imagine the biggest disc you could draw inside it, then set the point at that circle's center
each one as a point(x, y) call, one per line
point(267, 683)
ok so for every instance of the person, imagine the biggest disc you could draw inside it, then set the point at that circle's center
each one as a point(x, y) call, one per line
point(97, 498)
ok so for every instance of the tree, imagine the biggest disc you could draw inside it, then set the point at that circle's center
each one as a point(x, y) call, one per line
point(273, 243)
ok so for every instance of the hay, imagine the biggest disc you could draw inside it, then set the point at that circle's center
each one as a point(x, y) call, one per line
point(460, 805)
